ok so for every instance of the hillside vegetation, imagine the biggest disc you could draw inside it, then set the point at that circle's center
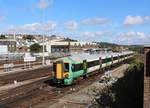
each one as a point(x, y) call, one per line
point(126, 92)
point(113, 46)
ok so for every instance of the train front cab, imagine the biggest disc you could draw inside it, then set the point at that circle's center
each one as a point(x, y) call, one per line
point(62, 73)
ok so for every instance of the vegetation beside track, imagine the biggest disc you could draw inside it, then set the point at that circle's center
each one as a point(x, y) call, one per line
point(126, 92)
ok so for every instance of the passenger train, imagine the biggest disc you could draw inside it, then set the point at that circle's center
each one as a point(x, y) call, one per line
point(67, 69)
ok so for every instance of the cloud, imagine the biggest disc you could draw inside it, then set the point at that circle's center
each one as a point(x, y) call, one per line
point(95, 34)
point(71, 25)
point(88, 34)
point(2, 17)
point(132, 37)
point(94, 21)
point(34, 27)
point(135, 20)
point(43, 4)
point(147, 18)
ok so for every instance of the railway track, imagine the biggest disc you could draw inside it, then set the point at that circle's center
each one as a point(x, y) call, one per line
point(49, 94)
point(13, 92)
point(20, 82)
point(21, 75)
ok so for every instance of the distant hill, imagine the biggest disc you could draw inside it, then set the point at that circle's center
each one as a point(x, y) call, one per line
point(65, 39)
point(113, 46)
point(137, 48)
point(106, 44)
point(71, 40)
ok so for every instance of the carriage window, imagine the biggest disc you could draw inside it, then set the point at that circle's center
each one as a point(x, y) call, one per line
point(77, 67)
point(93, 63)
point(66, 67)
point(121, 56)
point(115, 58)
point(106, 60)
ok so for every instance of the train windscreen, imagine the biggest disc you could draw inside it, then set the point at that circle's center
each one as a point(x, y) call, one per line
point(54, 67)
point(66, 67)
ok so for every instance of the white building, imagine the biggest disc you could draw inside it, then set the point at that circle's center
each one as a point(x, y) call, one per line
point(60, 45)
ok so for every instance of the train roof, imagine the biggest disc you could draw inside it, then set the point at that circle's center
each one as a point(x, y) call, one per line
point(78, 58)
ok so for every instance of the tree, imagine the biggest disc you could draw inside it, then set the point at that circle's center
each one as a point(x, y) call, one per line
point(28, 37)
point(35, 48)
point(2, 36)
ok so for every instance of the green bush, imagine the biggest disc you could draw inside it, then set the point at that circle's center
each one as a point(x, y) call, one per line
point(2, 36)
point(35, 48)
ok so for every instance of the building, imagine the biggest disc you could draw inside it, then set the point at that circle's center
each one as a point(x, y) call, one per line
point(61, 45)
point(146, 77)
point(81, 46)
point(57, 45)
point(7, 45)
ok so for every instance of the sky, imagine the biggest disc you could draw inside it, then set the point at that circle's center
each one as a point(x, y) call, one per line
point(117, 21)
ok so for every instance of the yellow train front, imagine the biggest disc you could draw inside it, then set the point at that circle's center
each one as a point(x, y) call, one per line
point(67, 69)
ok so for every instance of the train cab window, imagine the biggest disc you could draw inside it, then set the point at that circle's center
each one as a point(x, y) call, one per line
point(72, 67)
point(66, 67)
point(54, 67)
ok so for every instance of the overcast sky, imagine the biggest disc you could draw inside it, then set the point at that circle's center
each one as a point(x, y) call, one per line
point(118, 21)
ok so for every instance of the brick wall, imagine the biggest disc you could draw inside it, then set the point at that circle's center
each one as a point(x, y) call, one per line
point(147, 77)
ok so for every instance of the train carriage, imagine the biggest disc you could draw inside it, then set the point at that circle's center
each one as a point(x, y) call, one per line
point(80, 65)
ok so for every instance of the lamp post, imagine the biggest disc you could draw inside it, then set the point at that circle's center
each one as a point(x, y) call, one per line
point(43, 4)
point(43, 58)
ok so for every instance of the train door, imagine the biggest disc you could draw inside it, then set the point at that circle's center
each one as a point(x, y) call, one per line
point(112, 59)
point(100, 64)
point(84, 67)
point(59, 70)
point(118, 58)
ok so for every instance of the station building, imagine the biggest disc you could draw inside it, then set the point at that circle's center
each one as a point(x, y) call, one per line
point(81, 46)
point(7, 45)
point(68, 46)
point(54, 46)
point(146, 77)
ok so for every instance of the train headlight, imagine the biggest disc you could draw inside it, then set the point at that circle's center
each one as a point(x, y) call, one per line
point(66, 75)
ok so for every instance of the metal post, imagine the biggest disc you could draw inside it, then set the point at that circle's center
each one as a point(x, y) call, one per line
point(43, 58)
point(14, 36)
